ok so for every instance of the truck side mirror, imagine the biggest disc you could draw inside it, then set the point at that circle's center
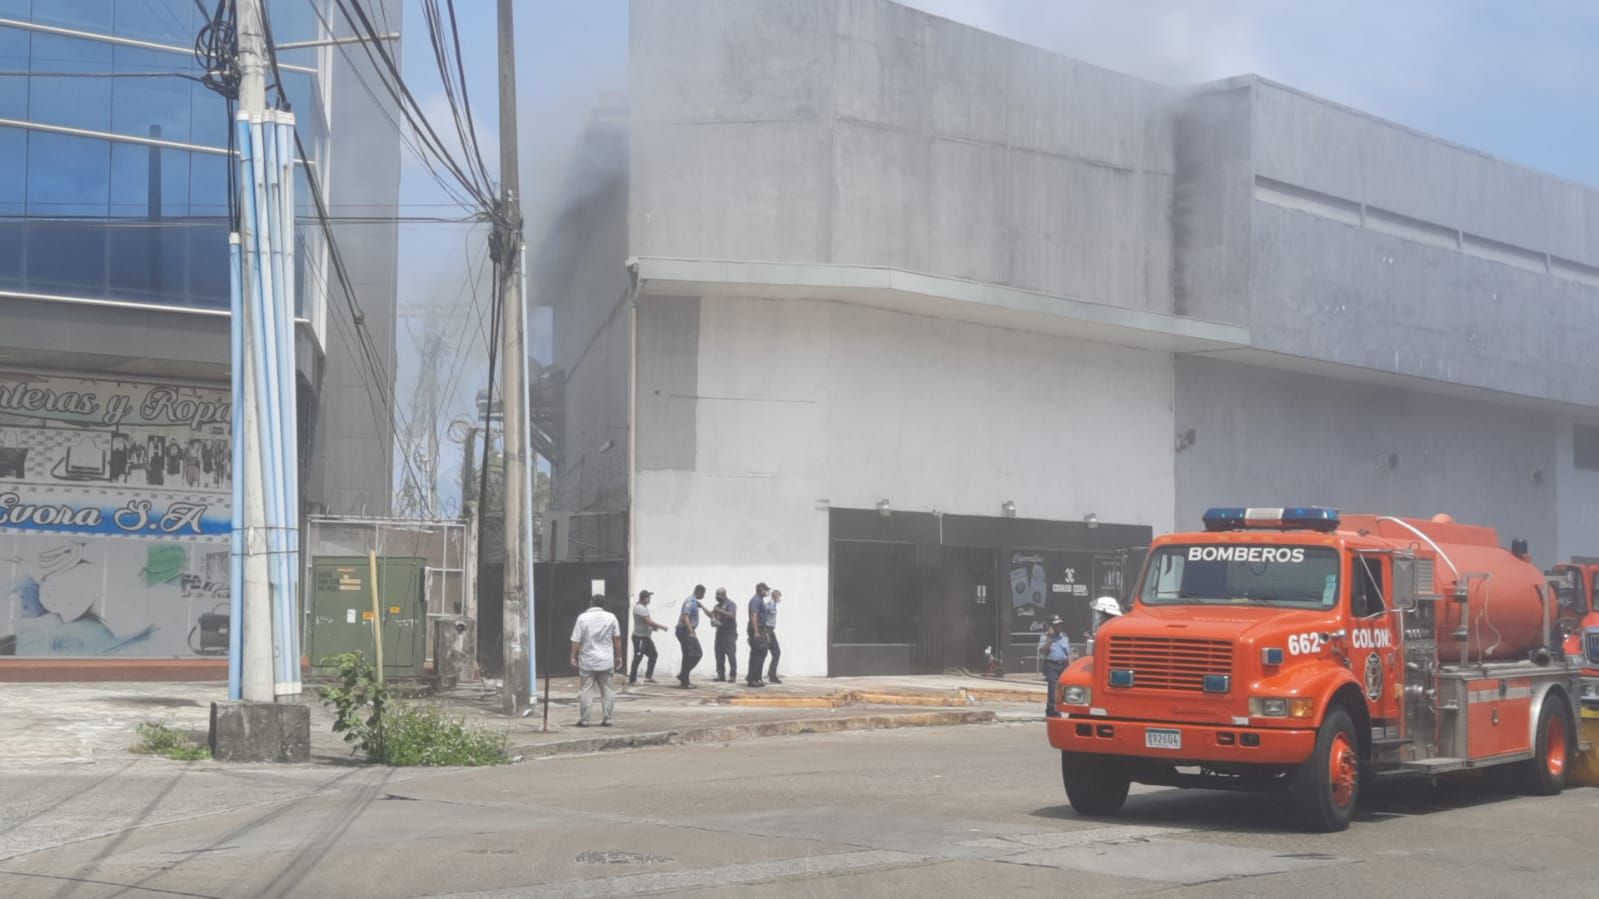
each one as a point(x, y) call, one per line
point(1404, 584)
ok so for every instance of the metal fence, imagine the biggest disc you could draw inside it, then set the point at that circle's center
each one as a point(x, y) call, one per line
point(447, 545)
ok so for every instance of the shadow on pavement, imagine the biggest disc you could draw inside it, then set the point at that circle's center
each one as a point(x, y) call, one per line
point(1245, 813)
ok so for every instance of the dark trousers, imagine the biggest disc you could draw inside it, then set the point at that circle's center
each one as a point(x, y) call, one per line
point(692, 653)
point(643, 648)
point(773, 651)
point(1052, 673)
point(727, 653)
point(757, 659)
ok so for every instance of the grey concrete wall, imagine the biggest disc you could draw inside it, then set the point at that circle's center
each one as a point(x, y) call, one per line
point(1316, 144)
point(1577, 507)
point(863, 132)
point(1269, 438)
point(1336, 236)
point(351, 464)
point(1212, 195)
point(1327, 290)
point(668, 384)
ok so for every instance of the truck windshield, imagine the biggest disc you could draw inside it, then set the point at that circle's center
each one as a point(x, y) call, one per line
point(1303, 577)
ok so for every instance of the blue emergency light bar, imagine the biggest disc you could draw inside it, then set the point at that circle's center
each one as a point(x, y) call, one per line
point(1237, 518)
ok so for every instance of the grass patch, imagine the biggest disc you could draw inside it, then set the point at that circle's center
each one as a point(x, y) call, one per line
point(390, 732)
point(155, 738)
point(424, 735)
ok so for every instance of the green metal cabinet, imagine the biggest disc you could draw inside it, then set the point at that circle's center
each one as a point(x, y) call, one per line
point(341, 612)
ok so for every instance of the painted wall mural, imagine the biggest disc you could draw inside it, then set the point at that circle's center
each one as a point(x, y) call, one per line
point(115, 511)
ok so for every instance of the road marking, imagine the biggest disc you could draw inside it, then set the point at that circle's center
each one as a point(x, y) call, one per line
point(703, 878)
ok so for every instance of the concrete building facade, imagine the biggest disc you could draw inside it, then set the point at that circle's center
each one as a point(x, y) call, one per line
point(934, 330)
point(115, 413)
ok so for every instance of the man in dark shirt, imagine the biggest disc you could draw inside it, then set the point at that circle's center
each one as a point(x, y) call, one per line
point(725, 616)
point(757, 636)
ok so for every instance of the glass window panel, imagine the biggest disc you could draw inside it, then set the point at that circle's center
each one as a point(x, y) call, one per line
point(68, 175)
point(295, 20)
point(138, 104)
point(208, 117)
point(130, 181)
point(208, 184)
point(66, 257)
point(151, 107)
point(74, 102)
point(11, 231)
point(13, 160)
point(16, 9)
point(87, 15)
point(13, 88)
point(207, 250)
point(164, 21)
point(148, 262)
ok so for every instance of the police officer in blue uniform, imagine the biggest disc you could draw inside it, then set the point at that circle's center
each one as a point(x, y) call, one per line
point(1054, 653)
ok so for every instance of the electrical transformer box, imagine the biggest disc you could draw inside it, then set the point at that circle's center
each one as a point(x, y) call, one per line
point(342, 612)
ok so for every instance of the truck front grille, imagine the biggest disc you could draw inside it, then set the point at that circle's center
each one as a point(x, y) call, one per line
point(1590, 646)
point(1171, 663)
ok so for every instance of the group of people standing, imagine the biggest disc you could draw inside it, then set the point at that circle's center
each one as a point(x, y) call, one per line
point(597, 644)
point(760, 631)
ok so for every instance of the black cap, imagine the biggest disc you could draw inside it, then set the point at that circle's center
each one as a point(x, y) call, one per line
point(645, 594)
point(1057, 620)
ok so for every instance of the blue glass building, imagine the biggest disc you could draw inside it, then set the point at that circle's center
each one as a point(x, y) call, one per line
point(115, 482)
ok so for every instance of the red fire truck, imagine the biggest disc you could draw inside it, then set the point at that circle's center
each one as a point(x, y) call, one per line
point(1293, 649)
point(1576, 586)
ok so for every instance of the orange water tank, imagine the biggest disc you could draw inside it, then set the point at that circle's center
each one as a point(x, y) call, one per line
point(1505, 603)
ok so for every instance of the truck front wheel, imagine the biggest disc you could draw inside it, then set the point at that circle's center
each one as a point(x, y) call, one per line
point(1096, 785)
point(1327, 784)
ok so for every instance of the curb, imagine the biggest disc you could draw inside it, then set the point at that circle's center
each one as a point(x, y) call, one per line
point(962, 696)
point(732, 733)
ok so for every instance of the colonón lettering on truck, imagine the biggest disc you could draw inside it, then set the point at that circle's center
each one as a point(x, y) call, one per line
point(1300, 651)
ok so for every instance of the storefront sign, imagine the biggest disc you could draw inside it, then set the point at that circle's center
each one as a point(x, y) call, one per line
point(114, 516)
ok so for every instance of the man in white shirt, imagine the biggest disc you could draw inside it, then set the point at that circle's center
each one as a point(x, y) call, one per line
point(596, 654)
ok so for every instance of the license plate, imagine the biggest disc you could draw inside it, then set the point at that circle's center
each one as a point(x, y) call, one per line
point(1163, 739)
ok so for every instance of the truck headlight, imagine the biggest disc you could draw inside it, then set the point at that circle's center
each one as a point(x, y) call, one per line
point(1273, 707)
point(1070, 695)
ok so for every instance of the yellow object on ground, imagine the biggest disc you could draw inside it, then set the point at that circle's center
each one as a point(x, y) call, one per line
point(1585, 766)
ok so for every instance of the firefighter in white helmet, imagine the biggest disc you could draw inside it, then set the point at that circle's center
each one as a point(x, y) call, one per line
point(1105, 608)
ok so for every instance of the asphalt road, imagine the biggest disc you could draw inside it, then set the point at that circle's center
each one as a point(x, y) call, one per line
point(934, 812)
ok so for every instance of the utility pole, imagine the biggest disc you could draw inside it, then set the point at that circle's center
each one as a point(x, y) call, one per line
point(515, 632)
point(256, 674)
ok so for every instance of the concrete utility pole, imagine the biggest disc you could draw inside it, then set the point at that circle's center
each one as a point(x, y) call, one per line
point(515, 633)
point(256, 675)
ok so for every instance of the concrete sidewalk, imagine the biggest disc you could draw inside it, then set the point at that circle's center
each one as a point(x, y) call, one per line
point(93, 724)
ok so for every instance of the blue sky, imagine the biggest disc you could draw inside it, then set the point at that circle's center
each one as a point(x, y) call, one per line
point(1518, 80)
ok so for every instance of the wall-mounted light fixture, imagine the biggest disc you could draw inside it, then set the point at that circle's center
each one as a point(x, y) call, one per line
point(1185, 439)
point(883, 509)
point(1008, 508)
point(1091, 520)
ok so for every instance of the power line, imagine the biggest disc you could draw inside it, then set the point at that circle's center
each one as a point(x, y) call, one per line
point(410, 109)
point(446, 184)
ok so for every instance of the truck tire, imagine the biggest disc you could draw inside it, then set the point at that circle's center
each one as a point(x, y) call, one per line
point(1545, 773)
point(1327, 785)
point(1096, 785)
